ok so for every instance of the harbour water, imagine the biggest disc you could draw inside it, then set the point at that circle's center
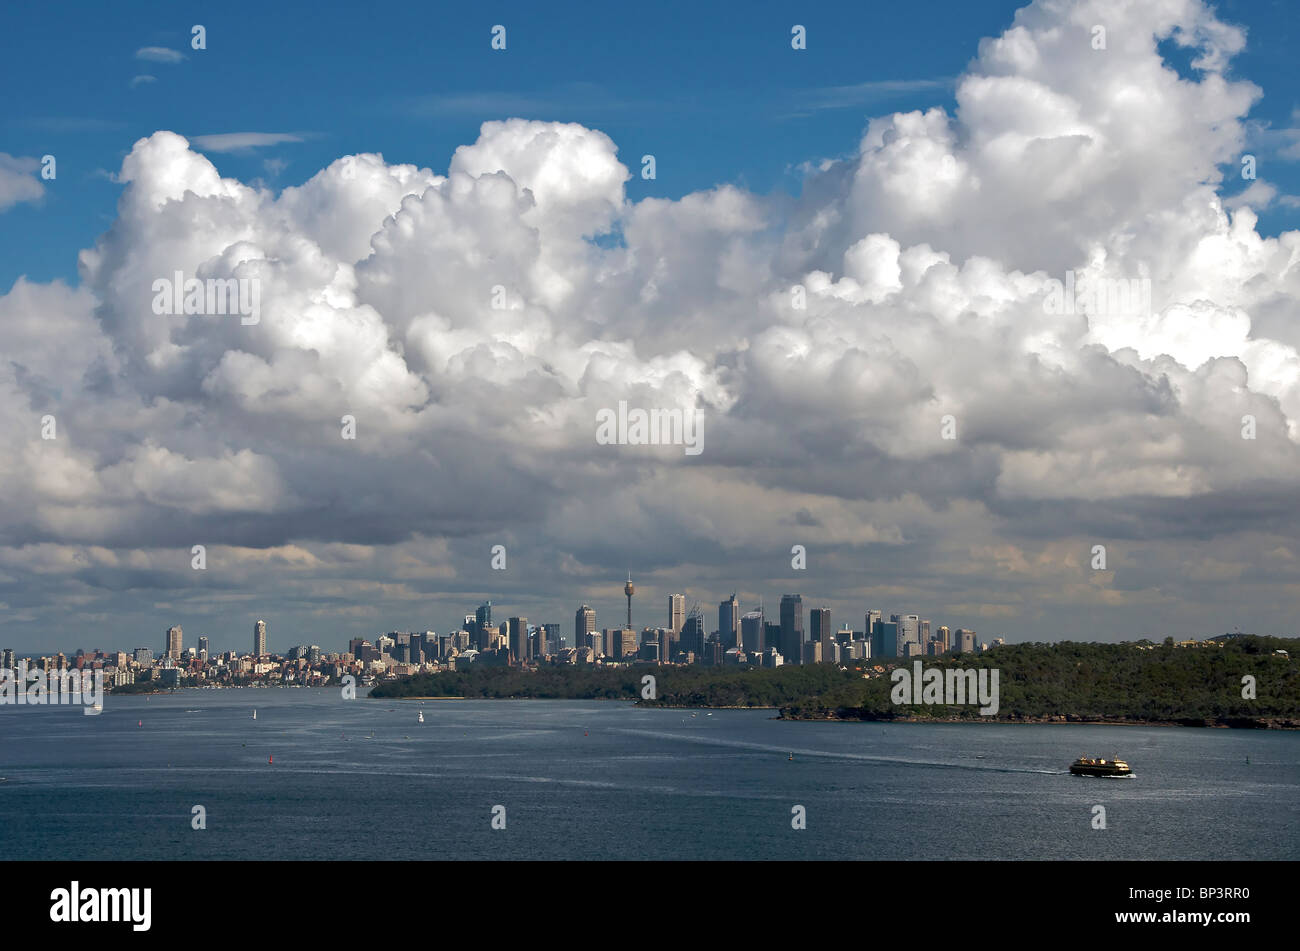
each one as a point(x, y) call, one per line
point(319, 777)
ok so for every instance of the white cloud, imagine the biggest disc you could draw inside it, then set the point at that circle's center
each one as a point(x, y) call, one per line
point(159, 54)
point(243, 141)
point(18, 181)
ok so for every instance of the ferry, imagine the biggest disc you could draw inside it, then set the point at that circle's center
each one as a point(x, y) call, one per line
point(1095, 766)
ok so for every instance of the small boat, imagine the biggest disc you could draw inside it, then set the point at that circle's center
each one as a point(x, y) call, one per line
point(255, 713)
point(270, 760)
point(421, 716)
point(1095, 766)
point(792, 757)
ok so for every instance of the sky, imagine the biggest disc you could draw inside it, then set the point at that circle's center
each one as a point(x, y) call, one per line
point(848, 266)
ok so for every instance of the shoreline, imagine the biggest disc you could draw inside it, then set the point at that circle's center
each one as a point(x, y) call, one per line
point(1268, 723)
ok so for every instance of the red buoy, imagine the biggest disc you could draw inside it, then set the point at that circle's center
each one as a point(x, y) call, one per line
point(270, 760)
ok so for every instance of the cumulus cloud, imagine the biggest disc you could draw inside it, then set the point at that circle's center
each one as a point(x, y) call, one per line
point(474, 322)
point(18, 181)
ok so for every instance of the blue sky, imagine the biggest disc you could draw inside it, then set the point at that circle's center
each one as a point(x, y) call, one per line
point(715, 94)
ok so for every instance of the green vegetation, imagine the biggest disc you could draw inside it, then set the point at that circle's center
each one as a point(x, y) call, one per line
point(1140, 682)
point(674, 686)
point(1083, 681)
point(143, 686)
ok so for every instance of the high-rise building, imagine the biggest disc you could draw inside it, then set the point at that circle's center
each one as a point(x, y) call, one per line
point(751, 632)
point(772, 638)
point(909, 628)
point(963, 641)
point(944, 637)
point(174, 636)
point(552, 639)
point(885, 640)
point(8, 662)
point(729, 622)
point(625, 644)
point(820, 631)
point(792, 628)
point(584, 625)
point(676, 612)
point(483, 625)
point(692, 638)
point(203, 646)
point(517, 638)
point(259, 639)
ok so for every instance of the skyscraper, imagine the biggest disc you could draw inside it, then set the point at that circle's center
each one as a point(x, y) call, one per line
point(483, 626)
point(772, 638)
point(203, 645)
point(584, 625)
point(819, 631)
point(751, 632)
point(792, 628)
point(909, 629)
point(517, 638)
point(693, 634)
point(963, 641)
point(729, 622)
point(676, 612)
point(174, 635)
point(259, 639)
point(885, 640)
point(873, 618)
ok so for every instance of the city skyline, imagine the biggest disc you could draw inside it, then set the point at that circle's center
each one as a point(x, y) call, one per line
point(800, 611)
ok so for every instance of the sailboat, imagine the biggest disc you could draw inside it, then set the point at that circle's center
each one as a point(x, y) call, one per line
point(421, 716)
point(255, 713)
